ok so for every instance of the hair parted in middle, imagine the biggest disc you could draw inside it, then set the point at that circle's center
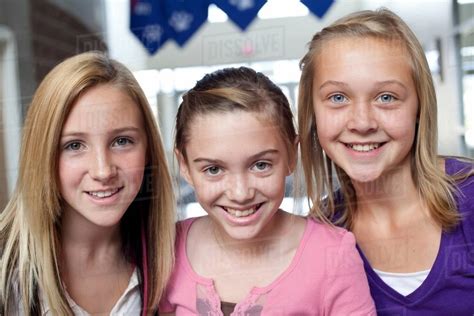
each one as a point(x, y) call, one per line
point(30, 224)
point(433, 185)
point(232, 89)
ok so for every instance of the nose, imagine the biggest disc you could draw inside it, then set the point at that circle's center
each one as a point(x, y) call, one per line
point(362, 119)
point(102, 167)
point(240, 188)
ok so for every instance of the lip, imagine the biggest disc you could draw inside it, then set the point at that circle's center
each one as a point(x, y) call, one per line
point(242, 220)
point(110, 199)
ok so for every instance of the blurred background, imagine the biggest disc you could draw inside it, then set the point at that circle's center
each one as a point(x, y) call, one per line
point(168, 52)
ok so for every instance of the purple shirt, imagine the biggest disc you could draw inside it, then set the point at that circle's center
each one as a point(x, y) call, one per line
point(449, 287)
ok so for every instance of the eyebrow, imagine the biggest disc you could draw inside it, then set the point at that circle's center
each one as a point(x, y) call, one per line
point(378, 84)
point(114, 131)
point(253, 157)
point(333, 82)
point(388, 82)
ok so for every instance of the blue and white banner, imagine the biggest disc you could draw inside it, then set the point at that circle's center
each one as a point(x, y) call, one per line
point(155, 21)
point(318, 7)
point(241, 12)
point(148, 23)
point(185, 17)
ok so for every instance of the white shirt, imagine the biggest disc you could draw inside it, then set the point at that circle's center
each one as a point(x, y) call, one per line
point(403, 283)
point(128, 304)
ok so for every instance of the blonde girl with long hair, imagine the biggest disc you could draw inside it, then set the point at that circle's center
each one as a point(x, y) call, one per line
point(90, 226)
point(368, 132)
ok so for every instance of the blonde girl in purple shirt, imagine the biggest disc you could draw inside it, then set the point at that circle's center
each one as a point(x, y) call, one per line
point(236, 144)
point(368, 125)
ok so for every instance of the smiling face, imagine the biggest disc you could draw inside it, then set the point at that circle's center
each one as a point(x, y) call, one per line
point(365, 104)
point(237, 163)
point(102, 156)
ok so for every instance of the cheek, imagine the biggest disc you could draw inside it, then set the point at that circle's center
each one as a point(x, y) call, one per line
point(328, 123)
point(69, 173)
point(401, 126)
point(207, 192)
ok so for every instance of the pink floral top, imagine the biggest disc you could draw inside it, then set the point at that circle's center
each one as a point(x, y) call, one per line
point(325, 277)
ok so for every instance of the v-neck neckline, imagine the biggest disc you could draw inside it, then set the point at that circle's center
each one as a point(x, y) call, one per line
point(433, 277)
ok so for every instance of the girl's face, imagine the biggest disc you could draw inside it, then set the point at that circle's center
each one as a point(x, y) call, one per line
point(102, 156)
point(365, 103)
point(237, 164)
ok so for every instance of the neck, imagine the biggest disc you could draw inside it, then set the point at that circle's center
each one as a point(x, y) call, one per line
point(81, 238)
point(394, 192)
point(392, 198)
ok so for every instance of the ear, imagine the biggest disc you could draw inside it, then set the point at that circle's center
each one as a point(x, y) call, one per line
point(293, 159)
point(183, 167)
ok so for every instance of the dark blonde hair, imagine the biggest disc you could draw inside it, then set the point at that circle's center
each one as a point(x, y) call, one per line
point(233, 89)
point(433, 185)
point(30, 224)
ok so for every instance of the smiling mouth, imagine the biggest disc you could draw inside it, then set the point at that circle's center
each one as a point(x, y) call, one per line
point(363, 148)
point(242, 213)
point(104, 194)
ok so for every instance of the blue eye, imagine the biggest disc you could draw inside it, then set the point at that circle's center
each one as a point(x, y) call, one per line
point(261, 165)
point(212, 170)
point(73, 146)
point(386, 98)
point(122, 141)
point(338, 98)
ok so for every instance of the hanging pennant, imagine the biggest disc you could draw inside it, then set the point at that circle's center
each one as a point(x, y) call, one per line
point(318, 7)
point(241, 12)
point(148, 24)
point(184, 18)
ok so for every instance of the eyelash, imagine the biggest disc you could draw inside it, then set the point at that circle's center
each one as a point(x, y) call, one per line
point(129, 141)
point(392, 97)
point(69, 145)
point(266, 163)
point(207, 171)
point(331, 98)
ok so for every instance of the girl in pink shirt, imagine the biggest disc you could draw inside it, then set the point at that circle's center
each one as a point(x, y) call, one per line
point(236, 144)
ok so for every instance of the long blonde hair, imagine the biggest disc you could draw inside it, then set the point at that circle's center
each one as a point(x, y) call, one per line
point(433, 185)
point(30, 223)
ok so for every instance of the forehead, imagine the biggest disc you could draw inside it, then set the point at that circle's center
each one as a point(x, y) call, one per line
point(362, 59)
point(347, 50)
point(231, 133)
point(103, 107)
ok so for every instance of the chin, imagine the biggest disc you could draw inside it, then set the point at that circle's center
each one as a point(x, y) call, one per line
point(363, 176)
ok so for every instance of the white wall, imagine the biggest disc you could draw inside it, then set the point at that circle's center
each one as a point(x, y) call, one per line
point(11, 105)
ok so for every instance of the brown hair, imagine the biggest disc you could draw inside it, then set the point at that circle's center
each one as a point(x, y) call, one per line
point(433, 185)
point(29, 225)
point(232, 89)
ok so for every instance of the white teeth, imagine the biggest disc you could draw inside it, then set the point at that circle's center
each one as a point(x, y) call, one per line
point(364, 148)
point(103, 194)
point(239, 213)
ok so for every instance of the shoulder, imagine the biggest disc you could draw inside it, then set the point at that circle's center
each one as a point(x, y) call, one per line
point(457, 166)
point(461, 170)
point(335, 247)
point(330, 235)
